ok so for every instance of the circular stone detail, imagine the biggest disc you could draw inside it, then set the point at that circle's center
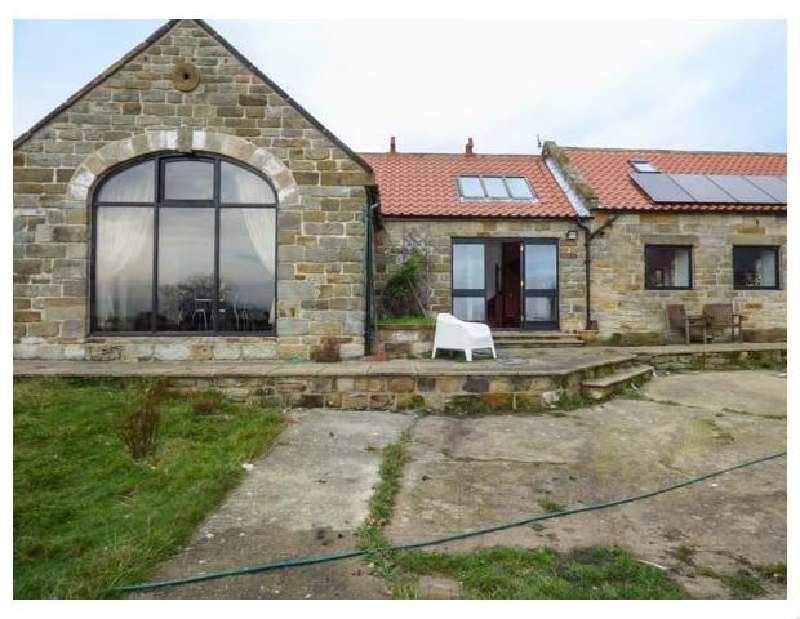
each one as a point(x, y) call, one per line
point(185, 76)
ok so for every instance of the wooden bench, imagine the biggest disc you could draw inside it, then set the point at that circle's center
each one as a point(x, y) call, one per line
point(685, 323)
point(721, 317)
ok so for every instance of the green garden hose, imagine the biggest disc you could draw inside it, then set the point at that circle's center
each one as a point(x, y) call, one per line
point(277, 565)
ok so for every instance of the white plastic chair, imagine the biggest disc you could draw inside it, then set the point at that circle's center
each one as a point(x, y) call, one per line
point(454, 334)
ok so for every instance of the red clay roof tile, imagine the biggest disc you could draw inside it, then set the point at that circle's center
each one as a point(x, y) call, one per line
point(607, 171)
point(424, 185)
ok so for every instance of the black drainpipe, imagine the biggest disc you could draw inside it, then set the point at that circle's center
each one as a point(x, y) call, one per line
point(369, 212)
point(589, 237)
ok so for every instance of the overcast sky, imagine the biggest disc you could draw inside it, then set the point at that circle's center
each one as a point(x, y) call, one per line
point(710, 85)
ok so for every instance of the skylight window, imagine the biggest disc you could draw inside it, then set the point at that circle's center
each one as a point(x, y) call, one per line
point(471, 187)
point(642, 165)
point(495, 188)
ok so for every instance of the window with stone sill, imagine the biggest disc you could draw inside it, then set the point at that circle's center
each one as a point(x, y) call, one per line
point(184, 245)
point(668, 267)
point(755, 267)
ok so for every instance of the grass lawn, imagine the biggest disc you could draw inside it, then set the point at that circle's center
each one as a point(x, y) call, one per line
point(506, 573)
point(87, 516)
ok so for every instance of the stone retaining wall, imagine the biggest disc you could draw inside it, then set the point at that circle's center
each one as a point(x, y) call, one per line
point(773, 358)
point(407, 342)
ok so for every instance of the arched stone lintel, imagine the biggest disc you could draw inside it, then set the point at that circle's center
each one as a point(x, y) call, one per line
point(180, 140)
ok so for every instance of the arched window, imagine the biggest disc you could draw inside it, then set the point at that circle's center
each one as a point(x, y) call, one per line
point(184, 244)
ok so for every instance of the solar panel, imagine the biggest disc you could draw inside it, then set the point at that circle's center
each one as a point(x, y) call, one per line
point(700, 187)
point(660, 187)
point(773, 185)
point(742, 190)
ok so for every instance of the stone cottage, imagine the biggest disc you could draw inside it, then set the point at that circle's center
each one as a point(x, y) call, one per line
point(182, 206)
point(498, 231)
point(681, 227)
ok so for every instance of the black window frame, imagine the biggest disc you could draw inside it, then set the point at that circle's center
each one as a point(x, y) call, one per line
point(486, 197)
point(655, 246)
point(160, 202)
point(775, 249)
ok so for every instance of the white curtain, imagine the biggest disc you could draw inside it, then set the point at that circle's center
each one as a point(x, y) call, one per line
point(241, 186)
point(260, 223)
point(135, 184)
point(121, 235)
point(680, 268)
point(765, 268)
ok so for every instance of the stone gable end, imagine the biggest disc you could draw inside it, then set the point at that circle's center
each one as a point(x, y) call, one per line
point(136, 109)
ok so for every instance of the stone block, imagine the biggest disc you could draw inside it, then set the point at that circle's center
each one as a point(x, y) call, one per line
point(46, 250)
point(137, 352)
point(296, 290)
point(262, 350)
point(69, 312)
point(73, 328)
point(42, 329)
point(27, 266)
point(352, 350)
point(401, 385)
point(74, 352)
point(104, 352)
point(201, 352)
point(27, 316)
point(227, 352)
point(172, 351)
point(69, 234)
point(345, 384)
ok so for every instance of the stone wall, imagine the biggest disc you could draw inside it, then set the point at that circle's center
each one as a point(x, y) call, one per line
point(624, 309)
point(394, 243)
point(408, 342)
point(137, 110)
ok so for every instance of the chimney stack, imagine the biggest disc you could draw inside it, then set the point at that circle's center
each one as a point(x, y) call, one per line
point(392, 146)
point(470, 146)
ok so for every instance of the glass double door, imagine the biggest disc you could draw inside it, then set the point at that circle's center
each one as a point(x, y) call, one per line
point(506, 283)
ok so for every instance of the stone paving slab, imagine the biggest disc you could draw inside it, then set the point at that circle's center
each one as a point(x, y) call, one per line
point(307, 497)
point(467, 473)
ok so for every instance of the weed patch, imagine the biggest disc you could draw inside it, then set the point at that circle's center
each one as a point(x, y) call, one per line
point(571, 401)
point(372, 541)
point(743, 585)
point(549, 505)
point(776, 572)
point(504, 573)
point(684, 554)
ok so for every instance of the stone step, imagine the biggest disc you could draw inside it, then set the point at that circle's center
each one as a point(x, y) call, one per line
point(601, 388)
point(515, 334)
point(536, 343)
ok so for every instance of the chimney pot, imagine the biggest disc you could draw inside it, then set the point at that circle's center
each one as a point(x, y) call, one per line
point(470, 146)
point(392, 146)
